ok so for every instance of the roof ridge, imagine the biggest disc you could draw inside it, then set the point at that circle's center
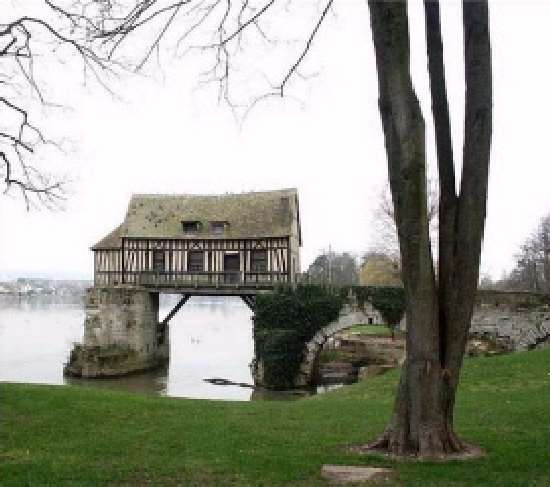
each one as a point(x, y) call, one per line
point(250, 214)
point(180, 195)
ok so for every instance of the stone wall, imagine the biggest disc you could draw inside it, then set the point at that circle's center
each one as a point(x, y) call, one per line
point(515, 320)
point(121, 334)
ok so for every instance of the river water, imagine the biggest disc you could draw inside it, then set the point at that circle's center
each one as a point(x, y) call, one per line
point(209, 338)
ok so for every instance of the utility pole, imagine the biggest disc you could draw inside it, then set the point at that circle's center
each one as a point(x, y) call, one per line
point(329, 264)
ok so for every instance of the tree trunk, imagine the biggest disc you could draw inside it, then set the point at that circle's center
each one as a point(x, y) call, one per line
point(438, 313)
point(545, 255)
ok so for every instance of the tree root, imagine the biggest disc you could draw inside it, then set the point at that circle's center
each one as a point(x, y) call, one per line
point(430, 448)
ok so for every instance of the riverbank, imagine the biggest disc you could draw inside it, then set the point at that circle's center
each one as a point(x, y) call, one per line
point(53, 435)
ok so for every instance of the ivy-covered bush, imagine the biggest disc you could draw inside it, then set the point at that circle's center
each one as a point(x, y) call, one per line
point(285, 320)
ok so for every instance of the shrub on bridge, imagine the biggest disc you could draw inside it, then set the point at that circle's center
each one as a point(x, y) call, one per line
point(388, 300)
point(285, 320)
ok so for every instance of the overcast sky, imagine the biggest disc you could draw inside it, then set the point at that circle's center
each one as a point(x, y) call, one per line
point(165, 136)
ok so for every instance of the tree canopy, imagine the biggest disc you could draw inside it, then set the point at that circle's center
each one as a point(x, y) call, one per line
point(333, 268)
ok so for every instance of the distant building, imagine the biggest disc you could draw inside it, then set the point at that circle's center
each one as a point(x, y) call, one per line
point(247, 239)
point(5, 289)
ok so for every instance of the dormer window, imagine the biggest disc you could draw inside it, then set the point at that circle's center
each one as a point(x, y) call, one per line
point(190, 226)
point(217, 228)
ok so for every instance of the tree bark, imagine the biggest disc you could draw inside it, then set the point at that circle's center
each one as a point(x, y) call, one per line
point(438, 312)
point(545, 255)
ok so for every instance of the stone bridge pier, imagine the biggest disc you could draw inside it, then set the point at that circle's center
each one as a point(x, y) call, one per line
point(121, 334)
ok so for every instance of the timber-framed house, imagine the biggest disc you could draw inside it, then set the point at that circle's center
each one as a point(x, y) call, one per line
point(229, 241)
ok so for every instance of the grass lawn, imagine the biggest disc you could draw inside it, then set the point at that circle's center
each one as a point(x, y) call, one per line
point(77, 436)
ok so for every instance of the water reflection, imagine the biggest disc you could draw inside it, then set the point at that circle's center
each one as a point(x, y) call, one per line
point(149, 383)
point(327, 387)
point(36, 334)
point(209, 337)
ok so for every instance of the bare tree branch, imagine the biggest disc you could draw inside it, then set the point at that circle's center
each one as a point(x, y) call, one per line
point(307, 47)
point(102, 32)
point(236, 18)
point(25, 40)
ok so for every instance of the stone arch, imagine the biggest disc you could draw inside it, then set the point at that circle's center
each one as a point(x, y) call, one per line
point(350, 315)
point(531, 337)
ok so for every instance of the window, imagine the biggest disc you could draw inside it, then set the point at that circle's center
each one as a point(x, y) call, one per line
point(258, 261)
point(195, 261)
point(190, 227)
point(218, 228)
point(158, 260)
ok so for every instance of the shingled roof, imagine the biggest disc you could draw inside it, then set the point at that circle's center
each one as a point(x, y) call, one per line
point(249, 215)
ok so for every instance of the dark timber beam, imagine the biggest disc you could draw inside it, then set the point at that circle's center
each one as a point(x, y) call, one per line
point(178, 306)
point(249, 300)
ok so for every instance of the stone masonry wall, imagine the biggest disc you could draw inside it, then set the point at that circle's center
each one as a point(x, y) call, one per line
point(120, 334)
point(517, 320)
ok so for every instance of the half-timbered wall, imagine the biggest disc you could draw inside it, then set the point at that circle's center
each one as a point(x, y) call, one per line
point(107, 267)
point(134, 263)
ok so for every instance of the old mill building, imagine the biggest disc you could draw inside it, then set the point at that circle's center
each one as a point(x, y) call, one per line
point(231, 244)
point(209, 243)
